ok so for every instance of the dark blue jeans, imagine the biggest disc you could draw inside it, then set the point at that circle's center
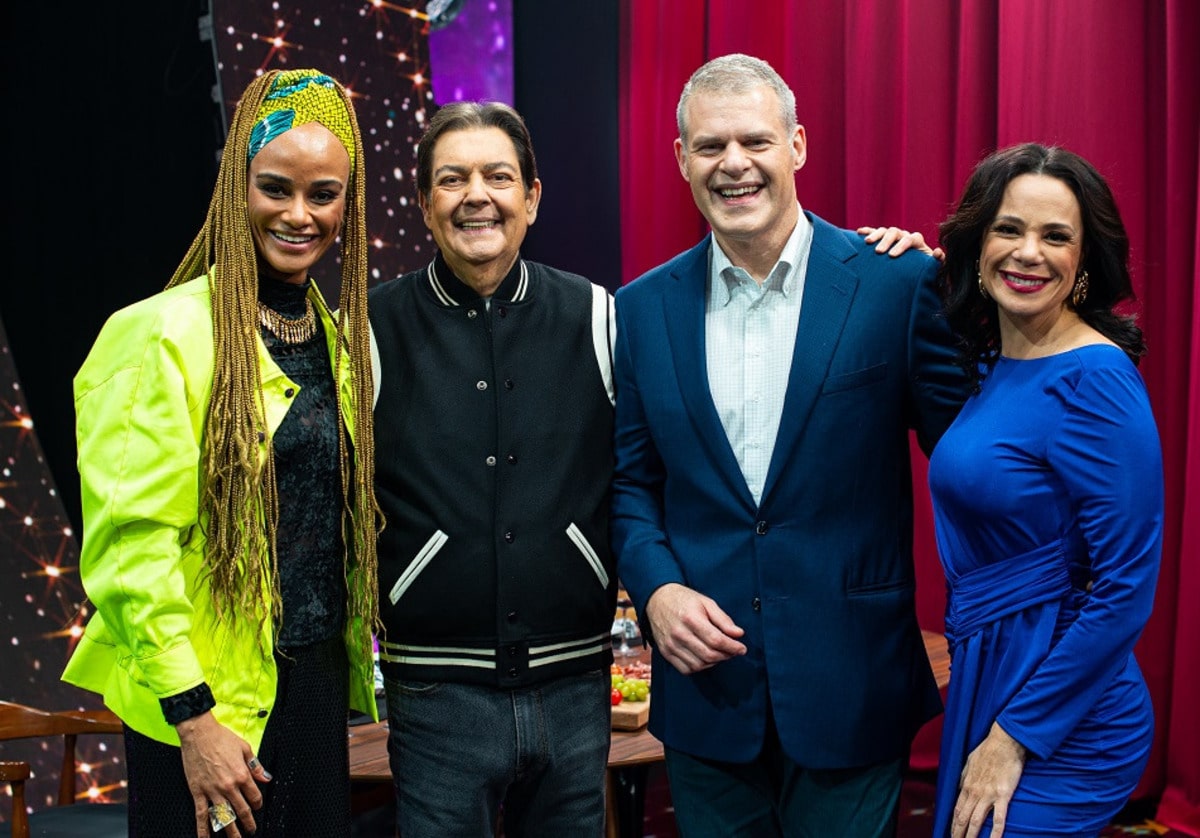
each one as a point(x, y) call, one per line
point(459, 752)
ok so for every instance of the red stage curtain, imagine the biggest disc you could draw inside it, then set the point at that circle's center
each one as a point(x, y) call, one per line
point(900, 99)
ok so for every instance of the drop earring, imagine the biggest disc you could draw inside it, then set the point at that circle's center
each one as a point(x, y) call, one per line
point(1079, 294)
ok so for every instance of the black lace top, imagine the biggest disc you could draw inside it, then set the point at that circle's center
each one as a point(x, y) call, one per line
point(309, 535)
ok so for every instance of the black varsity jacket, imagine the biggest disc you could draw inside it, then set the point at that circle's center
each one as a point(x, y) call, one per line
point(494, 454)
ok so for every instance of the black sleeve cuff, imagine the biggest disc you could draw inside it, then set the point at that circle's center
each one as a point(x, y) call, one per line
point(188, 704)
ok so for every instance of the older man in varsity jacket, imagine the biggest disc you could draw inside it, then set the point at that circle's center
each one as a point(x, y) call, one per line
point(494, 454)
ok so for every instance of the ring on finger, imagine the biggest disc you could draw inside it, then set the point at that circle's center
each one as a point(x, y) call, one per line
point(221, 815)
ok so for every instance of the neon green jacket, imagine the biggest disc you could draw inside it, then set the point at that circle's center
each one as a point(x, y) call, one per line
point(141, 400)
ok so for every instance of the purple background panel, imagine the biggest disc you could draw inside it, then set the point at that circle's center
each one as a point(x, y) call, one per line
point(472, 55)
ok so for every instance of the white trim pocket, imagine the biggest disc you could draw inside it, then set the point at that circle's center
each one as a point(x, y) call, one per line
point(576, 536)
point(424, 556)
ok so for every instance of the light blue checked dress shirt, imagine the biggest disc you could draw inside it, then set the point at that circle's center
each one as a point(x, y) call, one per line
point(750, 336)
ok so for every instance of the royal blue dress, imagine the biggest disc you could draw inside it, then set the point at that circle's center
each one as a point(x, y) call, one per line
point(1048, 504)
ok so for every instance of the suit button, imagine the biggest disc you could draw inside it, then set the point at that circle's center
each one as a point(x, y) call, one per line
point(502, 311)
point(761, 528)
point(480, 385)
point(512, 672)
point(508, 384)
point(491, 461)
point(509, 537)
point(756, 604)
point(512, 459)
point(472, 314)
point(262, 714)
point(289, 392)
point(512, 616)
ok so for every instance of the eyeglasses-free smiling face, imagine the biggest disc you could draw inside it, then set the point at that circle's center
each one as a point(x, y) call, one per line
point(478, 208)
point(740, 161)
point(1032, 253)
point(296, 199)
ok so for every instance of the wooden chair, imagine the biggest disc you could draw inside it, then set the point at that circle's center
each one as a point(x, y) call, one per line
point(92, 819)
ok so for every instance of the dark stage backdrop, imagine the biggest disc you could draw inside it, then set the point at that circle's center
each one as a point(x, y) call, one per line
point(110, 141)
point(118, 117)
point(41, 605)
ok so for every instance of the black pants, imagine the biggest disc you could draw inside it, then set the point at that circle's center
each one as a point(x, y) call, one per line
point(774, 797)
point(304, 748)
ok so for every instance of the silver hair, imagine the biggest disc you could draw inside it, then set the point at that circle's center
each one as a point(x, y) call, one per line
point(736, 73)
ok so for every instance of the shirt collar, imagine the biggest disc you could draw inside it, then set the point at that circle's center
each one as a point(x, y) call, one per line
point(724, 276)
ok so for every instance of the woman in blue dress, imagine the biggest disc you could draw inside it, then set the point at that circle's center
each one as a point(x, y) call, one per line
point(1048, 498)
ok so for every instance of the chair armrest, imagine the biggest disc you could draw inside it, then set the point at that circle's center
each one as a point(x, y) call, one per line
point(93, 721)
point(13, 772)
point(20, 722)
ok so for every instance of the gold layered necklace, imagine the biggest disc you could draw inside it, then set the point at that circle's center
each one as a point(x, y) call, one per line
point(286, 329)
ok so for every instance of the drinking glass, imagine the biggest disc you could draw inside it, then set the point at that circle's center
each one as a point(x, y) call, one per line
point(626, 635)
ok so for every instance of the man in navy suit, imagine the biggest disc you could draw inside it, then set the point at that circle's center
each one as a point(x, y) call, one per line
point(767, 380)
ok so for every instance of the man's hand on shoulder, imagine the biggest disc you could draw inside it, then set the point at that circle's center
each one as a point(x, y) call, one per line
point(893, 241)
point(691, 631)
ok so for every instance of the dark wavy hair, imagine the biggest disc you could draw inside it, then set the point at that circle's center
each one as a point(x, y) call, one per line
point(461, 116)
point(1105, 256)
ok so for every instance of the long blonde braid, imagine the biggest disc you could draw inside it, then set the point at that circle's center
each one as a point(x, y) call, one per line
point(239, 505)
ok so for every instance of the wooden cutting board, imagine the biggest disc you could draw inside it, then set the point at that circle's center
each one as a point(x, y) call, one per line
point(630, 715)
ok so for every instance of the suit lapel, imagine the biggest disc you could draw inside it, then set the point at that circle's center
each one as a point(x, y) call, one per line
point(683, 311)
point(829, 288)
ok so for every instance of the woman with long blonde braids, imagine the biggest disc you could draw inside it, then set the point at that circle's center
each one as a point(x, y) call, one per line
point(226, 457)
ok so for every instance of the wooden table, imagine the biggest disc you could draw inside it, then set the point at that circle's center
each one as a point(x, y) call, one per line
point(629, 755)
point(630, 749)
point(939, 657)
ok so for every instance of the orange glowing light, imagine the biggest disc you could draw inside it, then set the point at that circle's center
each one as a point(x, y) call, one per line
point(406, 10)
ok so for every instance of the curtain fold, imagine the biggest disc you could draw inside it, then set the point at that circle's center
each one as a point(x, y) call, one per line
point(900, 99)
point(655, 200)
point(1173, 326)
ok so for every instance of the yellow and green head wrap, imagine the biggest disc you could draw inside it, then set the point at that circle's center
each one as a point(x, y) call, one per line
point(298, 97)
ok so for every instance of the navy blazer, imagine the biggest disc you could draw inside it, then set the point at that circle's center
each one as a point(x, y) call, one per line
point(820, 573)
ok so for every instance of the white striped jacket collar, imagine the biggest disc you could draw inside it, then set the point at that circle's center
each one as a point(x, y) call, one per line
point(451, 291)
